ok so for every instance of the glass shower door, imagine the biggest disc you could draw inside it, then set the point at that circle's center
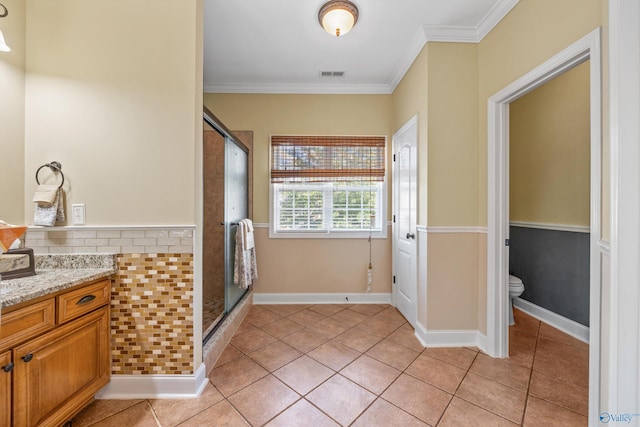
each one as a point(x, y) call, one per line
point(236, 208)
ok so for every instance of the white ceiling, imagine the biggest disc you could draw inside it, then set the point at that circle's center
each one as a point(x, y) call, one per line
point(278, 46)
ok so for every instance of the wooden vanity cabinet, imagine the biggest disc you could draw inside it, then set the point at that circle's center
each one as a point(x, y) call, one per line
point(6, 373)
point(57, 373)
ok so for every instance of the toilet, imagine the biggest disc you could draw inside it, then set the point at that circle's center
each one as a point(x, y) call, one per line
point(516, 288)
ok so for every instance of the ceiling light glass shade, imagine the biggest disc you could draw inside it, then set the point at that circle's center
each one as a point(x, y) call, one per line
point(3, 44)
point(338, 17)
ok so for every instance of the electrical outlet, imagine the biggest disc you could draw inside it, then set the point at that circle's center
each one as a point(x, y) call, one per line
point(77, 213)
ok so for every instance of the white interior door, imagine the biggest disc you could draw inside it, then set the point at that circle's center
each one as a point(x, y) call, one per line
point(405, 198)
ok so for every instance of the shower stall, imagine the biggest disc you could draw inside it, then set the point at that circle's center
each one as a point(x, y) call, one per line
point(226, 189)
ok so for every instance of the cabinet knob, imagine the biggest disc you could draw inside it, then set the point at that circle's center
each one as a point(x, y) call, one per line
point(8, 368)
point(27, 358)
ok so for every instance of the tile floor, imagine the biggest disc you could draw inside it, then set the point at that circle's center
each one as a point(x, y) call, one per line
point(360, 365)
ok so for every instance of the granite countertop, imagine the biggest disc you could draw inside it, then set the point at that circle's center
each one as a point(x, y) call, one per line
point(56, 273)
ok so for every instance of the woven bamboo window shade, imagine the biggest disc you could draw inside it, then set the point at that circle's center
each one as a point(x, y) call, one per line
point(327, 158)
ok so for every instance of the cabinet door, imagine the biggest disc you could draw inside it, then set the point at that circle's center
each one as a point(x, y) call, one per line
point(58, 373)
point(5, 388)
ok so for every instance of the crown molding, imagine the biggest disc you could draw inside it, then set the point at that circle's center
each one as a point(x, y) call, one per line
point(320, 89)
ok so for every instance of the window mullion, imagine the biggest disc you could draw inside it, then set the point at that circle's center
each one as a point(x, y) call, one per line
point(328, 207)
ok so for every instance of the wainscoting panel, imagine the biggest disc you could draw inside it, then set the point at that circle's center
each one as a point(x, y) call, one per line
point(554, 266)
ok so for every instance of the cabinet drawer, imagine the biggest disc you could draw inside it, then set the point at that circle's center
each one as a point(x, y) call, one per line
point(80, 301)
point(27, 322)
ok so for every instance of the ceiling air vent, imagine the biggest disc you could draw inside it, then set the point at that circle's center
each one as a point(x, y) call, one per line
point(331, 73)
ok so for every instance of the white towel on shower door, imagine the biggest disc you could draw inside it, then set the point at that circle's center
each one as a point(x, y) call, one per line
point(245, 268)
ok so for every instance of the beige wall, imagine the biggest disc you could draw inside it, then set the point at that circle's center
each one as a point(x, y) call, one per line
point(411, 98)
point(113, 90)
point(531, 33)
point(549, 149)
point(307, 265)
point(452, 278)
point(12, 114)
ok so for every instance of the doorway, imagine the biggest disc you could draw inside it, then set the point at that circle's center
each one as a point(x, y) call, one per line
point(498, 200)
point(405, 208)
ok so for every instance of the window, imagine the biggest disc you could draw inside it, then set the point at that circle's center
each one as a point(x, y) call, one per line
point(327, 186)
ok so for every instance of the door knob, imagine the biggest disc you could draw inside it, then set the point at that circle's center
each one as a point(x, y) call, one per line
point(411, 236)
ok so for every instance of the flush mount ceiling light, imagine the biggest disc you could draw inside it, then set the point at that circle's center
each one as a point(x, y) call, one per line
point(338, 17)
point(3, 45)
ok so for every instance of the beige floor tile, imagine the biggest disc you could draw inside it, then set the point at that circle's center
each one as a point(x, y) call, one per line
point(492, 396)
point(458, 356)
point(329, 327)
point(560, 368)
point(541, 413)
point(229, 354)
point(462, 413)
point(341, 399)
point(436, 372)
point(349, 317)
point(369, 373)
point(139, 415)
point(236, 375)
point(367, 309)
point(101, 409)
point(306, 317)
point(284, 310)
point(554, 334)
point(383, 413)
point(418, 398)
point(251, 341)
point(219, 415)
point(562, 393)
point(305, 340)
point(302, 413)
point(328, 309)
point(525, 324)
point(392, 315)
point(406, 337)
point(281, 328)
point(259, 316)
point(171, 412)
point(334, 355)
point(263, 400)
point(244, 328)
point(379, 326)
point(275, 355)
point(504, 371)
point(561, 351)
point(393, 354)
point(521, 349)
point(358, 340)
point(303, 374)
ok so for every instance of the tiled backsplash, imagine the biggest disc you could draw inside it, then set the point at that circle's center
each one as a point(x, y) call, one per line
point(119, 240)
point(152, 291)
point(152, 314)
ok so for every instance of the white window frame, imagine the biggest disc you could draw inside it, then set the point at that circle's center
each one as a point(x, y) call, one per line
point(324, 233)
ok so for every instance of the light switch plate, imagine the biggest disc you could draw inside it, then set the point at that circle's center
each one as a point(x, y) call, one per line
point(78, 214)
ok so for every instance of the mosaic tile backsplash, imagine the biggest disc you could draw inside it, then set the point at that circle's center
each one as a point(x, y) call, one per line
point(152, 314)
point(152, 291)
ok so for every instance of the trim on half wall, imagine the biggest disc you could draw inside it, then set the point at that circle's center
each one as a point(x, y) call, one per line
point(556, 227)
point(310, 298)
point(155, 386)
point(567, 326)
point(452, 338)
point(456, 229)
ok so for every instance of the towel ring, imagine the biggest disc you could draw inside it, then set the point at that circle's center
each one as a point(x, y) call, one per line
point(55, 167)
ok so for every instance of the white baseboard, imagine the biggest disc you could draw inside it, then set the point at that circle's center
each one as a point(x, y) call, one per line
point(421, 334)
point(155, 386)
point(452, 338)
point(567, 326)
point(369, 298)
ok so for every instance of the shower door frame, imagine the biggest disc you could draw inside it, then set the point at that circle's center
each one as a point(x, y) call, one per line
point(217, 125)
